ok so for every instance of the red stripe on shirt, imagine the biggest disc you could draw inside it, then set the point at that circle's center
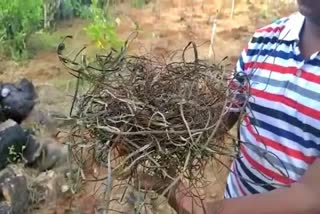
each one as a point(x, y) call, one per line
point(280, 147)
point(283, 70)
point(313, 113)
point(271, 29)
point(262, 169)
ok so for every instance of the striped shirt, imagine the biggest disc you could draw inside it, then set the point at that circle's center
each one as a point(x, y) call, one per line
point(280, 131)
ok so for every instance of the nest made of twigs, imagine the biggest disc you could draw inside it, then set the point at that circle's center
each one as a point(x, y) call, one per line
point(165, 117)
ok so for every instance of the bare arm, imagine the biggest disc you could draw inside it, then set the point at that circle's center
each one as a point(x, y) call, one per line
point(301, 198)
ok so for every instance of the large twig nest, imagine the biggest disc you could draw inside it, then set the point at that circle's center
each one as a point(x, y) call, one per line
point(165, 117)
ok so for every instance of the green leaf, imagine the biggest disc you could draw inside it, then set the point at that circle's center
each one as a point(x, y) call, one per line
point(102, 29)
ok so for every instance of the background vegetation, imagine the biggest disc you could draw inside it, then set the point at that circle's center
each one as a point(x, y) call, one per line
point(18, 20)
point(22, 24)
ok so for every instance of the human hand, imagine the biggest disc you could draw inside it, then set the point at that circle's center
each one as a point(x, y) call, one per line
point(158, 182)
point(180, 197)
point(153, 183)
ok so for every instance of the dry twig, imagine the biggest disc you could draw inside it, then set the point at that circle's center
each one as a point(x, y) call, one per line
point(165, 118)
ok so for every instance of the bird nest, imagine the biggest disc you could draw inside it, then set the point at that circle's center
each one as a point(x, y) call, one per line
point(163, 118)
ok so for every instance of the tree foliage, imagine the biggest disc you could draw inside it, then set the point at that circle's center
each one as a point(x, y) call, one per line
point(18, 20)
point(102, 28)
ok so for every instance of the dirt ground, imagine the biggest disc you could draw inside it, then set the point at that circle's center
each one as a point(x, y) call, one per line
point(164, 26)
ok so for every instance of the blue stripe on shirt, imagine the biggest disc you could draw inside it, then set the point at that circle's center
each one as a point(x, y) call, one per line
point(283, 133)
point(285, 117)
point(268, 41)
point(228, 191)
point(247, 186)
point(281, 54)
point(241, 63)
point(274, 53)
point(254, 178)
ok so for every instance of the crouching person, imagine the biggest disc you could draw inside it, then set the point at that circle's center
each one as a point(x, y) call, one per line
point(18, 145)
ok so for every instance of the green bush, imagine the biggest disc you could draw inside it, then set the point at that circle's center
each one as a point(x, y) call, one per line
point(102, 30)
point(21, 19)
point(18, 20)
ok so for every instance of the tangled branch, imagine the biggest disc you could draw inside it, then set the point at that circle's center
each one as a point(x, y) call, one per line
point(163, 118)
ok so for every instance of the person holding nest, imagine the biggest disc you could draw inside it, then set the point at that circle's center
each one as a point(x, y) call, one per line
point(19, 145)
point(277, 85)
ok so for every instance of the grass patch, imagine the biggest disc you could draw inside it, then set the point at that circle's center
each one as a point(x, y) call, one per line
point(44, 41)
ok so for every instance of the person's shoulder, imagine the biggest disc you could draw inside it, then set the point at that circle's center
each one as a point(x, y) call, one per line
point(275, 28)
point(270, 34)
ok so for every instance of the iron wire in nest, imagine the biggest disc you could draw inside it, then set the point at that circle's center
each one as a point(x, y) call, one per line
point(165, 119)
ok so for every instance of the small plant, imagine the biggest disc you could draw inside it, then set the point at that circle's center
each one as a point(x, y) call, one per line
point(102, 29)
point(18, 20)
point(14, 155)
